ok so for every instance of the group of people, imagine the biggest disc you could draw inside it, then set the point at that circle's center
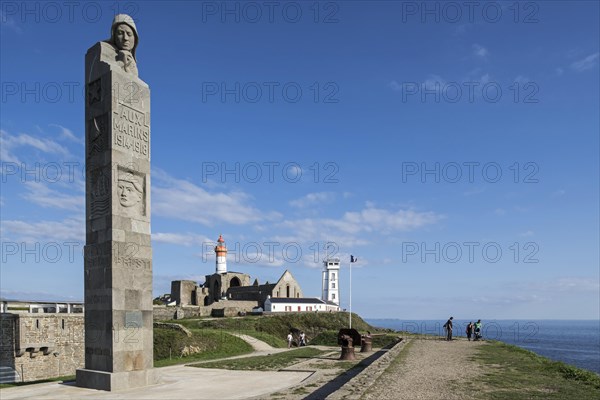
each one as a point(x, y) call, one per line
point(301, 342)
point(473, 329)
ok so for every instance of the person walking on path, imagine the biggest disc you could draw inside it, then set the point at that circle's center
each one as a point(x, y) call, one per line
point(448, 327)
point(469, 331)
point(302, 339)
point(289, 339)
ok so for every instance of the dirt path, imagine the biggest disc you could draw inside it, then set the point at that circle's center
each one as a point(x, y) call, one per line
point(428, 369)
point(257, 345)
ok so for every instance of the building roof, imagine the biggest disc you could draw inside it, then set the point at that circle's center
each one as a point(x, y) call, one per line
point(302, 300)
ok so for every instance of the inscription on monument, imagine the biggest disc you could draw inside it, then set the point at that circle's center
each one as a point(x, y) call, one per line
point(131, 130)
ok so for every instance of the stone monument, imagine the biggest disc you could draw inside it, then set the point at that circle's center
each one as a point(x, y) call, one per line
point(118, 253)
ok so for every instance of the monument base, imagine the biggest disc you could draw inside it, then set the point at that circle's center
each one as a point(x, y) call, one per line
point(115, 381)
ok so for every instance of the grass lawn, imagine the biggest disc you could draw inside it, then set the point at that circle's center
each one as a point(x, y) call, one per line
point(265, 363)
point(269, 339)
point(514, 373)
point(169, 344)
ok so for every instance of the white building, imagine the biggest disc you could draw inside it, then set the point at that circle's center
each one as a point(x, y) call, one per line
point(331, 281)
point(284, 304)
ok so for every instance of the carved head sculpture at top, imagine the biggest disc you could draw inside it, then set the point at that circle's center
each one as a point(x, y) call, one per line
point(123, 34)
point(124, 38)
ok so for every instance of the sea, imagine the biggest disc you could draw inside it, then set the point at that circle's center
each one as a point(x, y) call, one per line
point(575, 342)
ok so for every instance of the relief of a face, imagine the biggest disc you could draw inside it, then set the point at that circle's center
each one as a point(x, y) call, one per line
point(128, 194)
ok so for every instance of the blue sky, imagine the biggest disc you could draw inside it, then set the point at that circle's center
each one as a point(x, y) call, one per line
point(454, 151)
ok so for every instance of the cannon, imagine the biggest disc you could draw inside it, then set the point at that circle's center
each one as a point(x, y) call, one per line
point(348, 338)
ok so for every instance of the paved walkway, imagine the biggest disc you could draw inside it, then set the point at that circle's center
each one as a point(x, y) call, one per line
point(181, 382)
point(177, 382)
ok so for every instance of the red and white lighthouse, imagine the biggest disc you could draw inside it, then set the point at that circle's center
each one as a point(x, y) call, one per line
point(221, 251)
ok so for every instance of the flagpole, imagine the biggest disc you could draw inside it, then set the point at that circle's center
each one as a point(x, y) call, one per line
point(350, 315)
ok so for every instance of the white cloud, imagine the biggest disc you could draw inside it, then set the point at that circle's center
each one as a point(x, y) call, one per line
point(70, 229)
point(576, 284)
point(476, 190)
point(480, 51)
point(312, 199)
point(6, 21)
point(395, 86)
point(522, 79)
point(35, 296)
point(586, 63)
point(8, 143)
point(564, 284)
point(354, 226)
point(39, 193)
point(67, 134)
point(187, 239)
point(528, 233)
point(434, 82)
point(180, 199)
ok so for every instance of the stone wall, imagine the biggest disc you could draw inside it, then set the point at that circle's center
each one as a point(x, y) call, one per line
point(41, 346)
point(184, 292)
point(257, 293)
point(227, 308)
point(287, 286)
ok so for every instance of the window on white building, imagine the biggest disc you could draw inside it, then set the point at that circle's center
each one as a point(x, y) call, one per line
point(332, 296)
point(333, 276)
point(333, 285)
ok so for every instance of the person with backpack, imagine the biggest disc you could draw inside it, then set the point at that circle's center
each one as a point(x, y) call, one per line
point(448, 328)
point(469, 330)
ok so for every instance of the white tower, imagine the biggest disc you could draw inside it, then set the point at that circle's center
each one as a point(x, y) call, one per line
point(221, 251)
point(331, 280)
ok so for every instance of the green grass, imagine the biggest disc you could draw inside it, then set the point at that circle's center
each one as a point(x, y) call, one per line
point(269, 339)
point(57, 379)
point(514, 373)
point(280, 325)
point(213, 344)
point(264, 363)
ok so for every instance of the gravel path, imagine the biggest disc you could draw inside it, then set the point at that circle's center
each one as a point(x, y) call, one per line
point(430, 369)
point(257, 345)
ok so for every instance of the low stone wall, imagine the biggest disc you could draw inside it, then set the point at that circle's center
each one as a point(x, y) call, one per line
point(41, 346)
point(166, 313)
point(175, 327)
point(357, 386)
point(223, 308)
